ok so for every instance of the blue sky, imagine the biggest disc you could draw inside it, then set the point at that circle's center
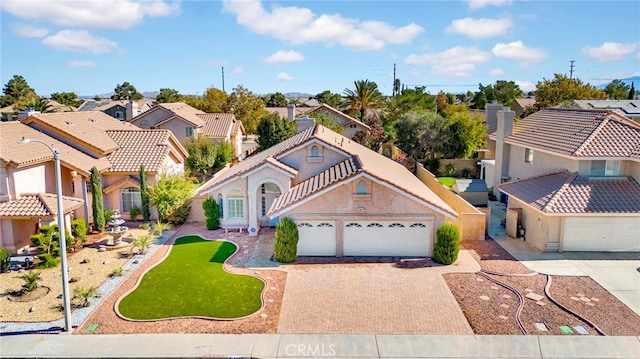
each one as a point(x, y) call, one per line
point(89, 47)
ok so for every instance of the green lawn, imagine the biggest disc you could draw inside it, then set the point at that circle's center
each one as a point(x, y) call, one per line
point(447, 181)
point(191, 282)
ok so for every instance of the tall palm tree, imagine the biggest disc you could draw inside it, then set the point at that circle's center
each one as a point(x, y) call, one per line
point(366, 95)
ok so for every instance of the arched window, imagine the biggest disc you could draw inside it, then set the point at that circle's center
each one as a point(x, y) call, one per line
point(362, 187)
point(221, 205)
point(130, 197)
point(314, 151)
point(145, 124)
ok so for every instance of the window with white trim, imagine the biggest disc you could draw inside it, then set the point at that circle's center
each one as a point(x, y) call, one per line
point(235, 207)
point(528, 155)
point(602, 168)
point(130, 197)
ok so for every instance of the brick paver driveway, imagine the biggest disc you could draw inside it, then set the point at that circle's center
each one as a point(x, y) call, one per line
point(372, 298)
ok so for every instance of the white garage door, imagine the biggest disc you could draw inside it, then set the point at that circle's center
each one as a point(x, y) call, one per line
point(387, 239)
point(602, 234)
point(316, 238)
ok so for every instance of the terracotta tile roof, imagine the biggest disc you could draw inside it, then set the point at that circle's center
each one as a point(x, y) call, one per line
point(370, 162)
point(30, 153)
point(149, 147)
point(629, 108)
point(348, 119)
point(525, 102)
point(102, 105)
point(38, 205)
point(184, 111)
point(567, 193)
point(302, 190)
point(87, 127)
point(578, 133)
point(219, 125)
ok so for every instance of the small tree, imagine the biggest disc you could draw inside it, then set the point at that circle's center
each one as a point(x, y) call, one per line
point(82, 294)
point(142, 243)
point(5, 260)
point(97, 204)
point(448, 244)
point(202, 155)
point(286, 245)
point(169, 193)
point(31, 279)
point(212, 213)
point(144, 194)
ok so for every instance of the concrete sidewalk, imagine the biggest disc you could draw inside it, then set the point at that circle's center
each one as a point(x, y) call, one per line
point(313, 346)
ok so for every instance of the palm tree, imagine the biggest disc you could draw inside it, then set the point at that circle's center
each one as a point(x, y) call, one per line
point(83, 294)
point(142, 243)
point(36, 103)
point(31, 279)
point(366, 95)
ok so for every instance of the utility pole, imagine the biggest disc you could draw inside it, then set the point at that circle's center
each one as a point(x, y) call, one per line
point(223, 79)
point(571, 69)
point(394, 81)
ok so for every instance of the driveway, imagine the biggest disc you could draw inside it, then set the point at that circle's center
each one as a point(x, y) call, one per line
point(368, 298)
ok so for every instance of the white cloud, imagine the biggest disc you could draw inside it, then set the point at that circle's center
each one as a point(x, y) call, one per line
point(458, 61)
point(479, 28)
point(610, 51)
point(479, 4)
point(104, 14)
point(283, 76)
point(79, 63)
point(284, 57)
point(80, 41)
point(496, 72)
point(25, 30)
point(299, 25)
point(238, 70)
point(526, 86)
point(517, 51)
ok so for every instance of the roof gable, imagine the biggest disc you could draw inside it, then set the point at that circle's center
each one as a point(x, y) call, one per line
point(347, 119)
point(219, 125)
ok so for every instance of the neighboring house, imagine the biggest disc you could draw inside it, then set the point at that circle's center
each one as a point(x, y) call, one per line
point(574, 174)
point(520, 105)
point(119, 109)
point(8, 112)
point(84, 140)
point(185, 121)
point(628, 108)
point(346, 199)
point(350, 124)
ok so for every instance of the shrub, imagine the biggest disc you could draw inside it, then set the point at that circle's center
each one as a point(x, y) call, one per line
point(160, 227)
point(30, 279)
point(82, 294)
point(117, 272)
point(144, 225)
point(97, 204)
point(447, 246)
point(79, 229)
point(144, 195)
point(5, 260)
point(107, 213)
point(47, 260)
point(142, 243)
point(212, 213)
point(450, 169)
point(286, 245)
point(134, 212)
point(179, 214)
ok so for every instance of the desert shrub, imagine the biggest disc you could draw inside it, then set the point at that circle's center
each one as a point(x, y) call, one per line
point(82, 295)
point(79, 229)
point(447, 246)
point(142, 243)
point(450, 169)
point(179, 214)
point(47, 260)
point(160, 227)
point(286, 244)
point(212, 213)
point(145, 225)
point(117, 272)
point(107, 213)
point(31, 279)
point(5, 260)
point(134, 212)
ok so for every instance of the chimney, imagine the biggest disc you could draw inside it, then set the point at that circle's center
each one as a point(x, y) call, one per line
point(505, 129)
point(132, 110)
point(291, 112)
point(491, 111)
point(304, 123)
point(27, 113)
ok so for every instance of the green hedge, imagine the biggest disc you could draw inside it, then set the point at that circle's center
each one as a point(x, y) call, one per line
point(212, 213)
point(448, 244)
point(286, 245)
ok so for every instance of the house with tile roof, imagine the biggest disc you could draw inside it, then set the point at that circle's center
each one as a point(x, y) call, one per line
point(350, 124)
point(185, 121)
point(120, 109)
point(628, 108)
point(9, 112)
point(575, 175)
point(346, 199)
point(84, 140)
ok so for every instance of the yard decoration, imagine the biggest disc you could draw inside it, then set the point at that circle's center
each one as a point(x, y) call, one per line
point(286, 245)
point(447, 246)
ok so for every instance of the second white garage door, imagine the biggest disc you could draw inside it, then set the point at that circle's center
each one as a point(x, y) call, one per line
point(316, 238)
point(602, 234)
point(410, 239)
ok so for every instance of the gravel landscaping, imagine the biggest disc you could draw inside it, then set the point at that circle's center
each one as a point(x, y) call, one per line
point(491, 309)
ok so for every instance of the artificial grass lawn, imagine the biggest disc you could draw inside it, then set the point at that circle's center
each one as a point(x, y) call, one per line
point(191, 282)
point(447, 181)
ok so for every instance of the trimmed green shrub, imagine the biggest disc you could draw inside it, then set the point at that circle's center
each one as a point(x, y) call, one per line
point(5, 260)
point(212, 213)
point(134, 212)
point(97, 204)
point(286, 245)
point(47, 260)
point(447, 246)
point(79, 229)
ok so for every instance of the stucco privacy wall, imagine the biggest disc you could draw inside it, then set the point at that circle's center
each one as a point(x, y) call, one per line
point(459, 165)
point(471, 222)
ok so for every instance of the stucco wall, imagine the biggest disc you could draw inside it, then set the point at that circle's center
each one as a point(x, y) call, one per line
point(632, 169)
point(178, 128)
point(459, 165)
point(31, 180)
point(197, 213)
point(542, 163)
point(471, 222)
point(542, 232)
point(309, 168)
point(152, 117)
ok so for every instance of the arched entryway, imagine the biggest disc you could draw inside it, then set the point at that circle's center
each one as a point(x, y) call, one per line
point(267, 193)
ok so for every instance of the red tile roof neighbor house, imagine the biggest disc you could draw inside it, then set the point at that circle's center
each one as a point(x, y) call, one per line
point(38, 205)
